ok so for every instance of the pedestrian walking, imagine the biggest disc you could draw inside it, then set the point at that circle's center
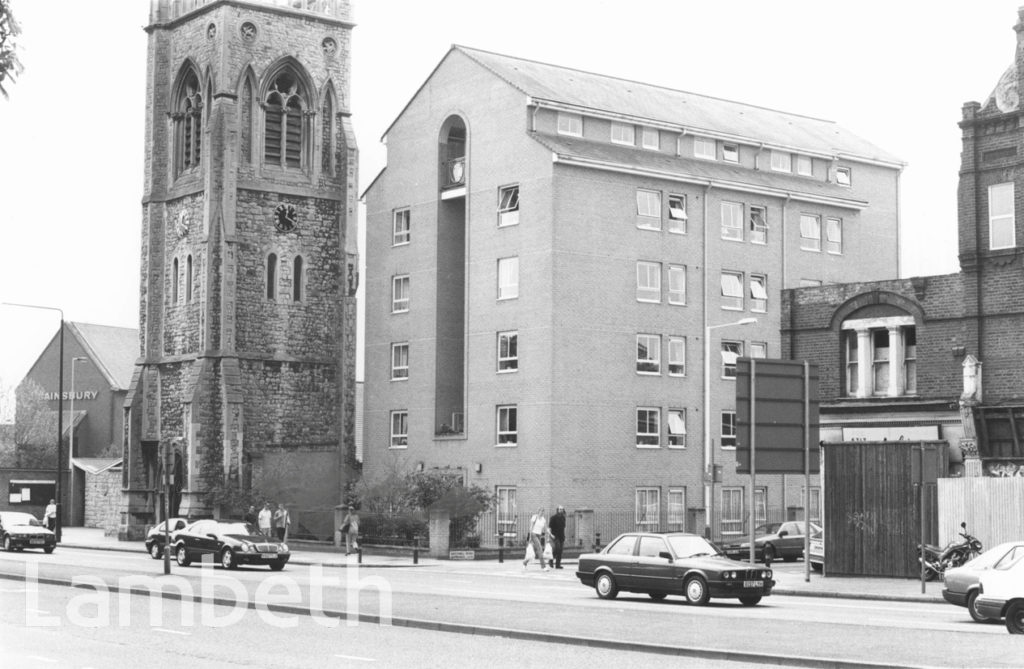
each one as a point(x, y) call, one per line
point(538, 529)
point(266, 520)
point(350, 528)
point(281, 522)
point(50, 515)
point(556, 527)
point(251, 516)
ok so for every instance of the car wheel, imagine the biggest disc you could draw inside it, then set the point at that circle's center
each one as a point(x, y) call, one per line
point(750, 600)
point(1015, 618)
point(7, 544)
point(182, 558)
point(605, 586)
point(227, 559)
point(656, 596)
point(696, 590)
point(155, 551)
point(277, 565)
point(769, 553)
point(972, 608)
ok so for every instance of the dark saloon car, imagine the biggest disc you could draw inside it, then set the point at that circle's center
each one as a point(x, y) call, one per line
point(155, 537)
point(672, 563)
point(231, 543)
point(961, 585)
point(773, 541)
point(23, 530)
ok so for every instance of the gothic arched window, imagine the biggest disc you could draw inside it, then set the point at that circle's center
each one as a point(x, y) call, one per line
point(188, 123)
point(284, 129)
point(297, 280)
point(272, 276)
point(174, 282)
point(188, 278)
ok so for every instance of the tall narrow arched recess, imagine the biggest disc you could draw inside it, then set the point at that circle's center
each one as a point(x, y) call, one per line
point(187, 118)
point(287, 102)
point(450, 335)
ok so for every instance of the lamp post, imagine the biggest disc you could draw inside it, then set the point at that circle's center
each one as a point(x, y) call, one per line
point(60, 411)
point(71, 441)
point(709, 462)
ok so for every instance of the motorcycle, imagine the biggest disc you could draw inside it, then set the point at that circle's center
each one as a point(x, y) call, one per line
point(937, 560)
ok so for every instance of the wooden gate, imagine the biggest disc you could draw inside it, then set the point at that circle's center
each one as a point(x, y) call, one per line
point(873, 505)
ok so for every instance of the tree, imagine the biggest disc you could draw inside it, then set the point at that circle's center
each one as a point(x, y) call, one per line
point(10, 66)
point(35, 427)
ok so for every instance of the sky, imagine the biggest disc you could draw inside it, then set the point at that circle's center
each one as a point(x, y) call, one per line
point(71, 134)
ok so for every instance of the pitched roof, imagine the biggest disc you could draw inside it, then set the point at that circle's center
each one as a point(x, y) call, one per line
point(113, 350)
point(692, 111)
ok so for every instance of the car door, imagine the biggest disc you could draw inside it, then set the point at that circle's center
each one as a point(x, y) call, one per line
point(653, 572)
point(620, 558)
point(791, 544)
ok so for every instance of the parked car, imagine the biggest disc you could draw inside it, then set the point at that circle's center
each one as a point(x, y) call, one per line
point(230, 542)
point(155, 536)
point(816, 550)
point(962, 583)
point(672, 563)
point(23, 530)
point(1001, 593)
point(773, 541)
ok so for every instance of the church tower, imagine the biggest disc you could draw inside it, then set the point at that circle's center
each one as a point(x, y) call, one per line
point(246, 379)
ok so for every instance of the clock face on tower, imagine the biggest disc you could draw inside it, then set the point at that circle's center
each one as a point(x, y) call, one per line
point(285, 217)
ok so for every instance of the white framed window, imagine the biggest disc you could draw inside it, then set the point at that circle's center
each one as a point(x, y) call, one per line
point(507, 428)
point(677, 356)
point(758, 349)
point(732, 291)
point(676, 509)
point(648, 422)
point(508, 206)
point(648, 281)
point(570, 124)
point(704, 147)
point(399, 429)
point(732, 510)
point(623, 133)
point(834, 235)
point(508, 351)
point(648, 209)
point(804, 166)
point(852, 365)
point(758, 225)
point(400, 361)
point(1002, 233)
point(648, 507)
point(881, 356)
point(814, 510)
point(400, 293)
point(677, 214)
point(844, 177)
point(728, 433)
point(677, 284)
point(758, 293)
point(508, 278)
point(760, 506)
point(731, 152)
point(880, 361)
point(401, 232)
point(505, 498)
point(782, 161)
point(732, 221)
point(677, 428)
point(650, 138)
point(648, 354)
point(810, 232)
point(731, 350)
point(910, 361)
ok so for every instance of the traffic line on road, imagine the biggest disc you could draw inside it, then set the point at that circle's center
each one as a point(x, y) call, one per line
point(167, 631)
point(356, 657)
point(40, 658)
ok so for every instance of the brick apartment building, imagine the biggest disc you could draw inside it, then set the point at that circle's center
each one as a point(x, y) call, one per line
point(937, 357)
point(249, 260)
point(546, 248)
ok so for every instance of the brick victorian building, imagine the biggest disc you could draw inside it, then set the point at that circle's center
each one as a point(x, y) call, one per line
point(249, 261)
point(903, 359)
point(548, 248)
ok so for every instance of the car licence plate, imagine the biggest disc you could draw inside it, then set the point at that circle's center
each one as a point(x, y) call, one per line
point(753, 584)
point(37, 541)
point(268, 556)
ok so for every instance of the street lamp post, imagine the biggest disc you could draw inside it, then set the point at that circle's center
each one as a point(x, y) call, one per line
point(71, 441)
point(60, 411)
point(709, 462)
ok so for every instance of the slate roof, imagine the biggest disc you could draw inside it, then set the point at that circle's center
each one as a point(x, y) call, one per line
point(113, 350)
point(689, 110)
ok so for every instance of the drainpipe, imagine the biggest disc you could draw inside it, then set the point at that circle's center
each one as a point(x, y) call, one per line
point(706, 400)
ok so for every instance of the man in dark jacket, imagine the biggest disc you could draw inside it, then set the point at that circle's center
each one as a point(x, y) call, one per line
point(556, 525)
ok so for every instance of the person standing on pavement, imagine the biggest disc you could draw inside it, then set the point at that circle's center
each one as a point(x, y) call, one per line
point(250, 516)
point(50, 515)
point(350, 528)
point(266, 520)
point(281, 522)
point(538, 529)
point(556, 528)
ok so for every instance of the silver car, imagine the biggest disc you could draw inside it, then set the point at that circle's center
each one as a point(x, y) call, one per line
point(961, 583)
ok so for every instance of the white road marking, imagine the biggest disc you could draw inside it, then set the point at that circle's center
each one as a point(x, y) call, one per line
point(354, 657)
point(38, 612)
point(40, 658)
point(167, 631)
point(13, 590)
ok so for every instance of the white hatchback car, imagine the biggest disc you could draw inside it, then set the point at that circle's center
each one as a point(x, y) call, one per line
point(961, 583)
point(1001, 594)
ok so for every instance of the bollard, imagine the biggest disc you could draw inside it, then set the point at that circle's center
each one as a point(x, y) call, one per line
point(501, 548)
point(359, 555)
point(416, 555)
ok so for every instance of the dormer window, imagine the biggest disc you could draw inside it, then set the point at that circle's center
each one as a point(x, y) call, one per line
point(704, 148)
point(843, 176)
point(623, 133)
point(782, 161)
point(570, 124)
point(804, 166)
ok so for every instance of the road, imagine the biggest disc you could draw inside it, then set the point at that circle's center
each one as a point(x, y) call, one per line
point(545, 615)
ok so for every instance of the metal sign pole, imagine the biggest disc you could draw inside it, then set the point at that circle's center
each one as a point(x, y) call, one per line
point(807, 472)
point(753, 450)
point(920, 492)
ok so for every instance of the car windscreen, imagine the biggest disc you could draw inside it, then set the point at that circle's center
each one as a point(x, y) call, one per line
point(690, 546)
point(239, 528)
point(19, 519)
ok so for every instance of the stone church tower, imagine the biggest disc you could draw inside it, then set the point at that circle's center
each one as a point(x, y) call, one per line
point(249, 263)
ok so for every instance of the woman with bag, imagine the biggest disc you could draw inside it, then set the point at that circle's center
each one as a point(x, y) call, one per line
point(535, 549)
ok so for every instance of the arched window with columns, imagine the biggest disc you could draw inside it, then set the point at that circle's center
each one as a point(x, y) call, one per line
point(187, 116)
point(880, 356)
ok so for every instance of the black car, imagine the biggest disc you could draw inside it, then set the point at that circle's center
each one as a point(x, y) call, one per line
point(23, 530)
point(774, 541)
point(672, 563)
point(231, 543)
point(155, 536)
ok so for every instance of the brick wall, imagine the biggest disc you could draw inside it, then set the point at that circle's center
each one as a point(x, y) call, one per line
point(103, 500)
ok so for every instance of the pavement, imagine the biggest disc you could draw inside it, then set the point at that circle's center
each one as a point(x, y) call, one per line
point(790, 578)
